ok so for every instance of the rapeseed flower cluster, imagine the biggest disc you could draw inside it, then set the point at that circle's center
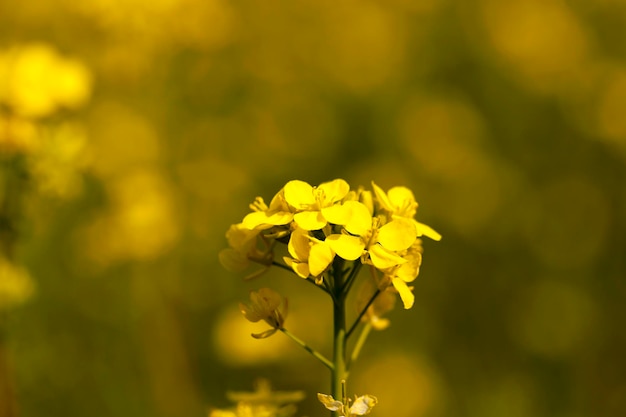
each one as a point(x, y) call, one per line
point(331, 222)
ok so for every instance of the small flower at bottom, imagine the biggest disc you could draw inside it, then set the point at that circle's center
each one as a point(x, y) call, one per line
point(262, 402)
point(264, 306)
point(361, 406)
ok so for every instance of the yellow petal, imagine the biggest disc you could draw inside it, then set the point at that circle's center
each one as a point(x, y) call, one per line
point(424, 230)
point(329, 402)
point(320, 257)
point(299, 245)
point(310, 220)
point(348, 247)
point(249, 313)
point(405, 293)
point(278, 202)
point(365, 197)
point(241, 238)
point(382, 198)
point(301, 269)
point(399, 234)
point(265, 334)
point(279, 218)
point(255, 220)
point(408, 272)
point(337, 214)
point(403, 201)
point(360, 221)
point(272, 296)
point(299, 194)
point(334, 191)
point(363, 405)
point(383, 259)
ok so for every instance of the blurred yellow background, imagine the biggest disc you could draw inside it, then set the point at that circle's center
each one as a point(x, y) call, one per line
point(133, 133)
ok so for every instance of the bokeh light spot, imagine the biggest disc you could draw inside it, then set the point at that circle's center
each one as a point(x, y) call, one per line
point(540, 39)
point(404, 385)
point(568, 227)
point(553, 319)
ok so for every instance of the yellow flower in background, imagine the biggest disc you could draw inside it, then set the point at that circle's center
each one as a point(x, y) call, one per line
point(16, 285)
point(262, 402)
point(264, 305)
point(17, 135)
point(35, 81)
point(310, 202)
point(140, 223)
point(56, 164)
point(263, 393)
point(244, 249)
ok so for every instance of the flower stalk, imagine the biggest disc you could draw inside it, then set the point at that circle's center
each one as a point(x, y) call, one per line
point(339, 371)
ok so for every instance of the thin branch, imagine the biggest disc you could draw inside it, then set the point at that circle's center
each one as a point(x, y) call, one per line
point(362, 313)
point(283, 266)
point(352, 277)
point(309, 279)
point(309, 349)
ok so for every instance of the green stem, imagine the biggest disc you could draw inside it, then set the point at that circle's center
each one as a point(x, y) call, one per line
point(352, 277)
point(308, 348)
point(339, 371)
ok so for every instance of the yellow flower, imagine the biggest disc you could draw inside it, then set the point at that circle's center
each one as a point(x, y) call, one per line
point(264, 306)
point(400, 202)
point(264, 217)
point(244, 249)
point(310, 256)
point(16, 285)
point(361, 406)
point(18, 136)
point(366, 233)
point(36, 81)
point(400, 275)
point(310, 202)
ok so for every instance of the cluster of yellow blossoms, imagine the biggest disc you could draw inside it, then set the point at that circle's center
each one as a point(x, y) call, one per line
point(322, 223)
point(42, 152)
point(38, 86)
